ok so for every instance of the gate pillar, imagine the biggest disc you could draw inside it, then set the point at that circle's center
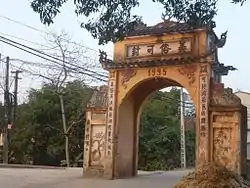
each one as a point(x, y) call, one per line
point(228, 128)
point(95, 133)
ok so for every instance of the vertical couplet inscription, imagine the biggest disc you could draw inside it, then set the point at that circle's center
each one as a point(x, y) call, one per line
point(111, 111)
point(87, 141)
point(204, 99)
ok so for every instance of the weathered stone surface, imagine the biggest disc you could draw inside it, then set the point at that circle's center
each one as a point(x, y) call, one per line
point(99, 98)
point(224, 96)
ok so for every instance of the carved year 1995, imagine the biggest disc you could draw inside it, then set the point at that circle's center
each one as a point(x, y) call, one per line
point(157, 71)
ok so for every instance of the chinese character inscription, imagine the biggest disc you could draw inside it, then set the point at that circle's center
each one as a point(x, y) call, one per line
point(159, 49)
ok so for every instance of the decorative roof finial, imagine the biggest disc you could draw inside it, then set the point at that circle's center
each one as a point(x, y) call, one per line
point(103, 58)
point(222, 41)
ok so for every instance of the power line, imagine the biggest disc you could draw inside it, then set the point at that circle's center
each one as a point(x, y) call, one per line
point(36, 43)
point(182, 103)
point(41, 65)
point(30, 48)
point(43, 76)
point(23, 24)
point(84, 73)
point(31, 73)
point(45, 32)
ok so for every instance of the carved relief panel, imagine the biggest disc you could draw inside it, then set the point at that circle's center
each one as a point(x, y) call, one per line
point(94, 142)
point(226, 139)
point(126, 75)
point(97, 145)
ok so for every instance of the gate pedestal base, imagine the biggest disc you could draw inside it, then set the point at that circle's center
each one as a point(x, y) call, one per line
point(93, 172)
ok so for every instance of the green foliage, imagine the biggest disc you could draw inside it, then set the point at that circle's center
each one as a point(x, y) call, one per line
point(38, 137)
point(109, 20)
point(196, 13)
point(38, 134)
point(239, 1)
point(160, 134)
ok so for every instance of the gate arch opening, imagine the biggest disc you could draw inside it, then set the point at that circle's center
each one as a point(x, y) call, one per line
point(128, 129)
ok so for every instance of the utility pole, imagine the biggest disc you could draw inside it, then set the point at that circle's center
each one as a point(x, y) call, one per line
point(7, 113)
point(1, 133)
point(182, 133)
point(16, 78)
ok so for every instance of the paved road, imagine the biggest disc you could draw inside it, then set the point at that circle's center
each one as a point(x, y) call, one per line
point(65, 178)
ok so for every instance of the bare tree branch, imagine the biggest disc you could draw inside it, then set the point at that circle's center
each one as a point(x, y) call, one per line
point(54, 128)
point(67, 54)
point(73, 124)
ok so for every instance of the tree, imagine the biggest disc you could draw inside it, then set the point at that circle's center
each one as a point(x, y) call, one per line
point(109, 20)
point(38, 137)
point(58, 85)
point(159, 145)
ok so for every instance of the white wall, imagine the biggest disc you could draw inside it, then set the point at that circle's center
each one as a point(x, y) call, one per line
point(245, 99)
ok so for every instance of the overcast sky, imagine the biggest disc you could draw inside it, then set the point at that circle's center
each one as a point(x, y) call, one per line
point(230, 17)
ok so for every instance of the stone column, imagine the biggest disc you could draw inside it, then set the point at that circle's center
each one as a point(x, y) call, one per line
point(203, 115)
point(110, 128)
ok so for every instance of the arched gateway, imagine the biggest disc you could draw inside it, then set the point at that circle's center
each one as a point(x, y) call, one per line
point(149, 59)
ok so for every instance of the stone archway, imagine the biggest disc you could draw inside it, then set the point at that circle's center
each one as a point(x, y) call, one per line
point(194, 77)
point(175, 55)
point(129, 120)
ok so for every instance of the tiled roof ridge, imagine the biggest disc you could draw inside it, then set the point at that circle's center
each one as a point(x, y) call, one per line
point(166, 26)
point(244, 92)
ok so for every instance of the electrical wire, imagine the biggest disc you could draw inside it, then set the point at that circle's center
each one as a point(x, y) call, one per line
point(31, 73)
point(40, 65)
point(44, 32)
point(32, 42)
point(30, 48)
point(183, 103)
point(43, 76)
point(41, 31)
point(84, 73)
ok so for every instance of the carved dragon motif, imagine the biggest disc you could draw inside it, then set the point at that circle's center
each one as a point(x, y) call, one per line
point(189, 72)
point(127, 74)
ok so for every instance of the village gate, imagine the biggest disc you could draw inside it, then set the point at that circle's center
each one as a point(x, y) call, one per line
point(149, 59)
